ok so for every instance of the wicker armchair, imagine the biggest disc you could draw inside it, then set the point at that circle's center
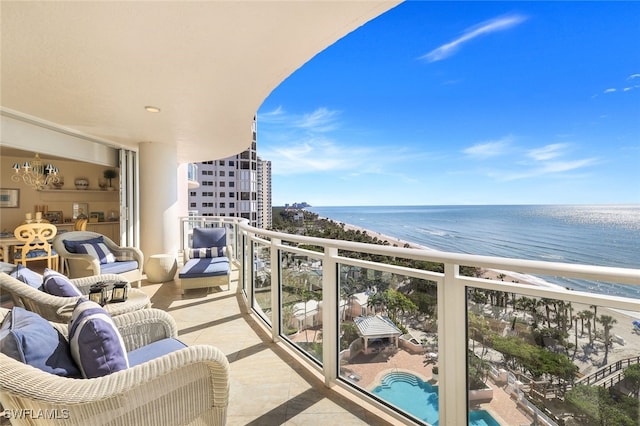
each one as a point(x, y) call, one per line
point(49, 306)
point(85, 265)
point(189, 386)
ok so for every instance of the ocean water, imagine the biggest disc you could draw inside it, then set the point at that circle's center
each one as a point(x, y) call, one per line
point(604, 235)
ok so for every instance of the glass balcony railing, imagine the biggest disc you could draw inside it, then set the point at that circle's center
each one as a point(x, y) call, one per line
point(419, 335)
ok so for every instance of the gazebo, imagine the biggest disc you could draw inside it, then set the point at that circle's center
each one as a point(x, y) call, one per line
point(376, 327)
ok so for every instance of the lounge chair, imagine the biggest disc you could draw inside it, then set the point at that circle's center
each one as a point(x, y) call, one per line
point(206, 261)
point(127, 261)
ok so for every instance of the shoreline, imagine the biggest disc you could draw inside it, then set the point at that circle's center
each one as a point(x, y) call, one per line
point(628, 341)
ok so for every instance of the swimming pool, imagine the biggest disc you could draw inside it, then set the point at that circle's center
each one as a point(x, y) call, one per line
point(411, 394)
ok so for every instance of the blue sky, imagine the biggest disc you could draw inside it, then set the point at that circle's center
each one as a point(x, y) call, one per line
point(437, 103)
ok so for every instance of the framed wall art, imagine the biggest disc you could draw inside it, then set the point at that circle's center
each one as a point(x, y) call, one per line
point(9, 197)
point(80, 210)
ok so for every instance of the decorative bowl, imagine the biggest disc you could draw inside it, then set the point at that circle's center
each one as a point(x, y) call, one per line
point(82, 183)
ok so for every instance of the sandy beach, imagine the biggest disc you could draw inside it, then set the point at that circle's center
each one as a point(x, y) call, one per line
point(588, 359)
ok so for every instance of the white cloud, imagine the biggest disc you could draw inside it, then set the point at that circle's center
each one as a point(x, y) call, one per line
point(546, 169)
point(489, 149)
point(566, 166)
point(324, 155)
point(301, 144)
point(313, 155)
point(320, 120)
point(625, 88)
point(547, 152)
point(272, 116)
point(487, 27)
point(546, 161)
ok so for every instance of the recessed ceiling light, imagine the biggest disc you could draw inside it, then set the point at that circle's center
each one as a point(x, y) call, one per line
point(152, 109)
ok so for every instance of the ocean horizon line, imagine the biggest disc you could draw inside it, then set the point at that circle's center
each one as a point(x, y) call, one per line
point(602, 234)
point(477, 205)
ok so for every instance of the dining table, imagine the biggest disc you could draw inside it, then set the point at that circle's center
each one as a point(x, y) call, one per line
point(7, 241)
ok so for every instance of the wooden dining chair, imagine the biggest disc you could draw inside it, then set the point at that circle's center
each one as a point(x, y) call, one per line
point(35, 244)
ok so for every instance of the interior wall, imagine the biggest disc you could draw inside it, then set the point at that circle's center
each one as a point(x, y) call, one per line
point(97, 200)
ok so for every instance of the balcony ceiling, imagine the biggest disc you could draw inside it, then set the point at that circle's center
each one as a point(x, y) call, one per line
point(93, 66)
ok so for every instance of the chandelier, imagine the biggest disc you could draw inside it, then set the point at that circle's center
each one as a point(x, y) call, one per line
point(36, 173)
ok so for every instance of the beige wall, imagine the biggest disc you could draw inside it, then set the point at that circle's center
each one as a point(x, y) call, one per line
point(104, 201)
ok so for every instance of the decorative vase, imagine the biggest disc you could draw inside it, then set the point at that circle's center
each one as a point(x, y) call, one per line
point(102, 183)
point(59, 184)
point(82, 183)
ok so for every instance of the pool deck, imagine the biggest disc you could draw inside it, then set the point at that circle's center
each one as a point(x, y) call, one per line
point(370, 369)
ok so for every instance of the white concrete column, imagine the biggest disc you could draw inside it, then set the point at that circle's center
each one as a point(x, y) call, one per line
point(161, 203)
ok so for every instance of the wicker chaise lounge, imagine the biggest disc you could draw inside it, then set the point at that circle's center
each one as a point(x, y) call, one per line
point(188, 386)
point(206, 261)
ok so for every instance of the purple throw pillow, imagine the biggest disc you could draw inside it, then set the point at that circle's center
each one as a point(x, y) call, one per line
point(96, 344)
point(59, 285)
point(98, 250)
point(27, 337)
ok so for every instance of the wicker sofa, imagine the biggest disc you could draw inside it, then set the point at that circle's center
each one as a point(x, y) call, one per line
point(49, 306)
point(129, 260)
point(187, 386)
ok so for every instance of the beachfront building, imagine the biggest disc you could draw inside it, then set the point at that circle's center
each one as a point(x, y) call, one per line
point(236, 186)
point(265, 206)
point(149, 88)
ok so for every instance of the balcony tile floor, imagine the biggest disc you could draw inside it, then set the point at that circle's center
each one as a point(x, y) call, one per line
point(268, 386)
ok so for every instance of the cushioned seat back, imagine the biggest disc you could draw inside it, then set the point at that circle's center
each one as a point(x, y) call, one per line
point(209, 237)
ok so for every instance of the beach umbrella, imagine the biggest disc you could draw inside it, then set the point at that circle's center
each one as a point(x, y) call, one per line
point(636, 323)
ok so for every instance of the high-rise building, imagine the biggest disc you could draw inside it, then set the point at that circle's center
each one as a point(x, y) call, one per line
point(235, 186)
point(264, 194)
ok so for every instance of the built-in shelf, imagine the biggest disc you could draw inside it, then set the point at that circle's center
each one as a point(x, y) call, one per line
point(80, 191)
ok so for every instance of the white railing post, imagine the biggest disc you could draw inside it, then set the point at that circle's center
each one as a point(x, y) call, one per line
point(250, 286)
point(330, 309)
point(276, 322)
point(452, 348)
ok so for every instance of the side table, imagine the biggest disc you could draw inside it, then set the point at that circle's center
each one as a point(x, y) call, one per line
point(136, 300)
point(161, 268)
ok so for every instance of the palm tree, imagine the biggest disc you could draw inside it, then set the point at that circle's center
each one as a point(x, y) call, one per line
point(588, 315)
point(347, 291)
point(607, 322)
point(530, 305)
point(595, 317)
point(479, 298)
point(546, 302)
point(581, 317)
point(575, 337)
